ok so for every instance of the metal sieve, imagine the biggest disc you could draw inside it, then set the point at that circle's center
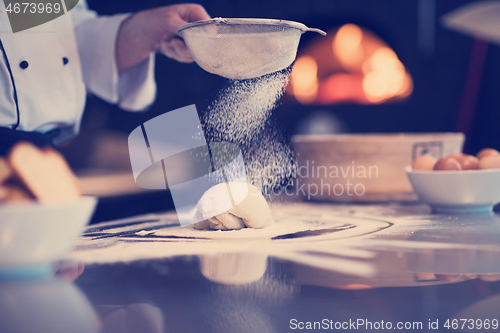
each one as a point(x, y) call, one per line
point(243, 48)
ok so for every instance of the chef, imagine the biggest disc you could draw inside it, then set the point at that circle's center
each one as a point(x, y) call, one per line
point(46, 71)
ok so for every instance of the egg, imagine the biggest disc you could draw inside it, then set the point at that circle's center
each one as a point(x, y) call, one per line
point(424, 162)
point(468, 162)
point(456, 156)
point(489, 162)
point(487, 152)
point(447, 163)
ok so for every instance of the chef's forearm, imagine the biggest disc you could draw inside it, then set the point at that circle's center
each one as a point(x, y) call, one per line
point(134, 42)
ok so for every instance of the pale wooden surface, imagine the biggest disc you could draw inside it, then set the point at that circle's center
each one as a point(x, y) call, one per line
point(388, 155)
point(104, 183)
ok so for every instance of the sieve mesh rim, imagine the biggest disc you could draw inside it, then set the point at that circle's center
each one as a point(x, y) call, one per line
point(256, 21)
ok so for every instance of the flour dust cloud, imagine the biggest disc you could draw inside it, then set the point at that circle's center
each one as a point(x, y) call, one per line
point(241, 114)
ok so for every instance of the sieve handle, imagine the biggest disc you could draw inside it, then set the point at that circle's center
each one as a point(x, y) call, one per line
point(319, 31)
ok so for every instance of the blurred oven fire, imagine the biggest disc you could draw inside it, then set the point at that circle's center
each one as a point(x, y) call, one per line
point(351, 65)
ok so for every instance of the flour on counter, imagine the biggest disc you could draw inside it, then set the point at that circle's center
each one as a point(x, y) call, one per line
point(356, 236)
point(316, 235)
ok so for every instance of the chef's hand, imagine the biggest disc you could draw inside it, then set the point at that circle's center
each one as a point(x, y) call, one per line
point(156, 29)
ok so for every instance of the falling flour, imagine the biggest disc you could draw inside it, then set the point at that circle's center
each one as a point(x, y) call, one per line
point(242, 109)
point(241, 114)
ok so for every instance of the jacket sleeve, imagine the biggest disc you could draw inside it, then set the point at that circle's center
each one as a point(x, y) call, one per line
point(132, 90)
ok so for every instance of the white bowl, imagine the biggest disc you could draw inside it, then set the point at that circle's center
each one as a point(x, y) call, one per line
point(466, 191)
point(35, 234)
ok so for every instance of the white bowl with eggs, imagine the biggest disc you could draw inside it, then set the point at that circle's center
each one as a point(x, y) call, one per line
point(462, 191)
point(458, 183)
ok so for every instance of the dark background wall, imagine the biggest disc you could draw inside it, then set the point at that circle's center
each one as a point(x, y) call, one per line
point(439, 76)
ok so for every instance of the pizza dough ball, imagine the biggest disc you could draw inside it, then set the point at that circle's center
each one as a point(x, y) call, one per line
point(224, 221)
point(251, 212)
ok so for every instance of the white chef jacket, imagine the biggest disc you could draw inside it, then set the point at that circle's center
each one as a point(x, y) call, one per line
point(50, 67)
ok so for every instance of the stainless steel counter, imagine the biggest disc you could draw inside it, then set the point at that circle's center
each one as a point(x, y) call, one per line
point(387, 267)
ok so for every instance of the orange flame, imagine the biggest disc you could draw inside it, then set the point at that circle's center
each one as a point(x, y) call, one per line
point(304, 79)
point(363, 69)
